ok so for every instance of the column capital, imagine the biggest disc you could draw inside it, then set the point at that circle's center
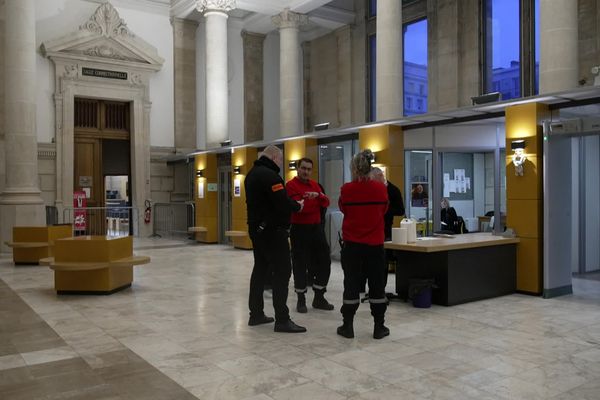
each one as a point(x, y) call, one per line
point(289, 19)
point(215, 5)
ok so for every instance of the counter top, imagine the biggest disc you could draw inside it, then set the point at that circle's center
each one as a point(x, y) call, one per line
point(457, 242)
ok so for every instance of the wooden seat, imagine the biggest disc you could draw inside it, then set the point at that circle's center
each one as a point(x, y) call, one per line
point(194, 229)
point(89, 266)
point(236, 233)
point(27, 245)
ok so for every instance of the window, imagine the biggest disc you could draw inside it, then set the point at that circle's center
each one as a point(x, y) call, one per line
point(408, 103)
point(372, 11)
point(536, 89)
point(415, 63)
point(419, 104)
point(502, 46)
point(372, 44)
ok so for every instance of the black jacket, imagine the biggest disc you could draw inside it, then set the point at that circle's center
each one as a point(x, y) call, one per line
point(266, 199)
point(395, 208)
point(450, 219)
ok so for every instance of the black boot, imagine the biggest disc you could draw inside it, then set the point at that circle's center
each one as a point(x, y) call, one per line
point(288, 326)
point(263, 319)
point(380, 331)
point(347, 329)
point(301, 305)
point(321, 302)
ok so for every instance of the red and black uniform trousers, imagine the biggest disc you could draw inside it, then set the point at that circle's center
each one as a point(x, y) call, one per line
point(360, 261)
point(271, 264)
point(311, 259)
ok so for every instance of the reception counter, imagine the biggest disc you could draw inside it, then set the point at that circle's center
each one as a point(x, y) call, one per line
point(465, 267)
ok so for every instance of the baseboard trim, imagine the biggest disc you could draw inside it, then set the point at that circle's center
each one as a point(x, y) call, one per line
point(558, 291)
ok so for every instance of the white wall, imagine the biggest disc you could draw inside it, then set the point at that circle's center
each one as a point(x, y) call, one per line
point(201, 85)
point(271, 87)
point(235, 43)
point(235, 70)
point(59, 17)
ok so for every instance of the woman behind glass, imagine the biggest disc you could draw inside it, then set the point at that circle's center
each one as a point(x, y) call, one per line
point(364, 203)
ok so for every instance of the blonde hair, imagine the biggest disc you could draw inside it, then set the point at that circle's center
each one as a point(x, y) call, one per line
point(377, 174)
point(360, 166)
point(271, 152)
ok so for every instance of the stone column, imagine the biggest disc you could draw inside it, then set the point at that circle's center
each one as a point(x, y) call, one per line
point(217, 89)
point(253, 86)
point(558, 45)
point(184, 56)
point(389, 71)
point(20, 203)
point(290, 72)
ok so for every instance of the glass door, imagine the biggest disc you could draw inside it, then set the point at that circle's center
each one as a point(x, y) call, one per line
point(418, 189)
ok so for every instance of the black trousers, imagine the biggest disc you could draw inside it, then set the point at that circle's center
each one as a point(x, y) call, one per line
point(310, 257)
point(271, 260)
point(358, 261)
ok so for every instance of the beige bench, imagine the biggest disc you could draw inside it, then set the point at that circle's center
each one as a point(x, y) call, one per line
point(240, 239)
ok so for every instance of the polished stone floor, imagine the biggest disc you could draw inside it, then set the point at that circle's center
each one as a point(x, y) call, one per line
point(181, 332)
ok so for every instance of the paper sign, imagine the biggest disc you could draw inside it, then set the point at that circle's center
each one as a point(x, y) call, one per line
point(200, 189)
point(212, 187)
point(237, 189)
point(79, 214)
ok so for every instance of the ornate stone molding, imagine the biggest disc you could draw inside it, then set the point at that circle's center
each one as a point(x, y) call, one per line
point(104, 37)
point(46, 151)
point(215, 5)
point(107, 22)
point(289, 19)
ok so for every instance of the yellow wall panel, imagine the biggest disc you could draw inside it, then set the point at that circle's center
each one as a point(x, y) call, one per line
point(528, 186)
point(525, 217)
point(529, 275)
point(206, 207)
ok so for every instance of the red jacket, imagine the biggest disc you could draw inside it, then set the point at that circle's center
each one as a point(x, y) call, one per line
point(364, 204)
point(311, 212)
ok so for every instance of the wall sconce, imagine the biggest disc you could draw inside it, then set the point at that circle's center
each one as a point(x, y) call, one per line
point(225, 143)
point(293, 165)
point(322, 127)
point(519, 157)
point(237, 170)
point(199, 173)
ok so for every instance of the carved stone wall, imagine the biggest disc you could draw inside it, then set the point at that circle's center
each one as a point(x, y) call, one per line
point(453, 53)
point(589, 39)
point(184, 56)
point(103, 43)
point(329, 76)
point(253, 86)
point(2, 156)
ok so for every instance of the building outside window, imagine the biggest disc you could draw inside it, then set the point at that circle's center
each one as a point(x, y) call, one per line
point(502, 47)
point(415, 65)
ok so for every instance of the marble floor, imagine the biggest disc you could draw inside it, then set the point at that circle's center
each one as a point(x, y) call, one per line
point(180, 332)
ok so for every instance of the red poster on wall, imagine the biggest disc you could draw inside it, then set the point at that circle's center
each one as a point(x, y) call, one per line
point(79, 213)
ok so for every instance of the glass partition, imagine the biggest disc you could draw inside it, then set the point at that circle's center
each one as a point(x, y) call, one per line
point(468, 183)
point(418, 173)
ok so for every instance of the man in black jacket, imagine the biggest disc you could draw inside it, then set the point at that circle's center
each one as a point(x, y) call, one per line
point(396, 205)
point(269, 211)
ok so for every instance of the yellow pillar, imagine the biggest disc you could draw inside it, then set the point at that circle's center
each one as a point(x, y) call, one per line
point(295, 150)
point(524, 194)
point(244, 159)
point(206, 202)
point(387, 143)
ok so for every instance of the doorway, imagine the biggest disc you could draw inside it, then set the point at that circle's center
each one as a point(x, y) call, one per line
point(102, 165)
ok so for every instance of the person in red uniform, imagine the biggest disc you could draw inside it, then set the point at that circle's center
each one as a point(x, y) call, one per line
point(310, 252)
point(364, 202)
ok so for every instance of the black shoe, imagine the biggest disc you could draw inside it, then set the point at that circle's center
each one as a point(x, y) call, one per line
point(321, 303)
point(380, 331)
point(288, 326)
point(263, 319)
point(301, 305)
point(346, 330)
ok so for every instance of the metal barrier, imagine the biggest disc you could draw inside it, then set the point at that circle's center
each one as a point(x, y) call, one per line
point(111, 221)
point(51, 215)
point(172, 218)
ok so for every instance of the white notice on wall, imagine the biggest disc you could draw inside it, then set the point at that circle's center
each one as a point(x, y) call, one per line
point(237, 188)
point(200, 189)
point(468, 180)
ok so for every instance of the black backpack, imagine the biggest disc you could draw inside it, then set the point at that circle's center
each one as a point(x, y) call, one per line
point(460, 226)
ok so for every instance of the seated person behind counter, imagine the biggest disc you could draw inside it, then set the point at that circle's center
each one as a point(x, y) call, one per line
point(451, 222)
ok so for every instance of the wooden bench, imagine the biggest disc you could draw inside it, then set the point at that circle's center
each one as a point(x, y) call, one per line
point(32, 243)
point(240, 239)
point(196, 229)
point(89, 266)
point(93, 264)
